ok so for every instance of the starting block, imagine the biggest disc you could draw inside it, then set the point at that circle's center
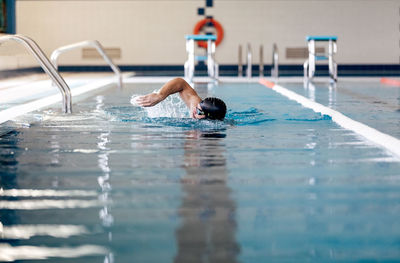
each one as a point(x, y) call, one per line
point(309, 65)
point(212, 66)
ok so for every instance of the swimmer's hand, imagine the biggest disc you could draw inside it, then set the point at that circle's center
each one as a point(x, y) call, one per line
point(149, 99)
point(193, 113)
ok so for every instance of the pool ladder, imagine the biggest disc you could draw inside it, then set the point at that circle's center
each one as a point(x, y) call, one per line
point(88, 43)
point(248, 62)
point(275, 62)
point(46, 65)
point(51, 67)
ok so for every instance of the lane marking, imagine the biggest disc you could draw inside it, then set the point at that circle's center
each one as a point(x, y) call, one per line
point(267, 83)
point(391, 82)
point(384, 140)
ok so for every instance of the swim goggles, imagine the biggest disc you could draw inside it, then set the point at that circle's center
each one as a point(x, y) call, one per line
point(199, 112)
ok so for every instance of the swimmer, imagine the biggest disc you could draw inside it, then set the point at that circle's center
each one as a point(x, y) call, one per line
point(209, 108)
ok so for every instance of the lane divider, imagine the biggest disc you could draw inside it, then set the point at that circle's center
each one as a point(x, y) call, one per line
point(391, 82)
point(384, 140)
point(267, 83)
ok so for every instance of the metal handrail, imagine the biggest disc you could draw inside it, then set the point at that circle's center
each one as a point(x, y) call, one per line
point(249, 61)
point(240, 63)
point(93, 43)
point(275, 62)
point(261, 66)
point(46, 66)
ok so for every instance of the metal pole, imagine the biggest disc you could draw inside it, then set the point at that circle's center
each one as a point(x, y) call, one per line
point(249, 61)
point(240, 65)
point(47, 66)
point(93, 43)
point(261, 67)
point(275, 62)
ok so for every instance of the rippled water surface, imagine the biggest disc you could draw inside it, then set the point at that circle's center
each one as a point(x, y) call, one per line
point(367, 101)
point(274, 182)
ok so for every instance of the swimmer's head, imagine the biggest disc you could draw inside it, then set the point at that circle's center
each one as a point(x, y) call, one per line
point(213, 108)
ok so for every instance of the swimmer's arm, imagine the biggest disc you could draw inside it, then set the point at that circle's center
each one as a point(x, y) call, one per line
point(187, 93)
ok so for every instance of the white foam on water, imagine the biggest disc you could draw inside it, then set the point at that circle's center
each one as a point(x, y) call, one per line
point(172, 107)
point(134, 100)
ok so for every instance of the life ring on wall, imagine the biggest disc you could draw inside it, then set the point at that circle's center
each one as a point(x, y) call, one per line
point(216, 25)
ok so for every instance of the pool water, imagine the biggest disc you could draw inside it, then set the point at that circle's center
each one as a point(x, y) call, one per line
point(273, 182)
point(368, 101)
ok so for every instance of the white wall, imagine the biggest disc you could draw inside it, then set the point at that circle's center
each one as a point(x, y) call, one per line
point(151, 32)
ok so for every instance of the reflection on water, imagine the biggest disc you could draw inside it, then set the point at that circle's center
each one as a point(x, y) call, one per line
point(45, 193)
point(8, 180)
point(23, 211)
point(8, 160)
point(28, 231)
point(310, 91)
point(207, 233)
point(47, 204)
point(106, 218)
point(10, 253)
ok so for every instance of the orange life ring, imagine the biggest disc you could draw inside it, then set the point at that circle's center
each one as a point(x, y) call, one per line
point(216, 24)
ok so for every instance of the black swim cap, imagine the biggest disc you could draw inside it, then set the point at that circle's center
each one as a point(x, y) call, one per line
point(213, 108)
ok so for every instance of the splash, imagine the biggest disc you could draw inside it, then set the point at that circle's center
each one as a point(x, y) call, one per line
point(171, 112)
point(171, 107)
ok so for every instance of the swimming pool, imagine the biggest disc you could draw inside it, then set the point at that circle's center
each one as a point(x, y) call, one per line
point(274, 182)
point(365, 100)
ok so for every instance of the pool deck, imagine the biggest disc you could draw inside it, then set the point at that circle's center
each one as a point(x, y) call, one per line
point(25, 94)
